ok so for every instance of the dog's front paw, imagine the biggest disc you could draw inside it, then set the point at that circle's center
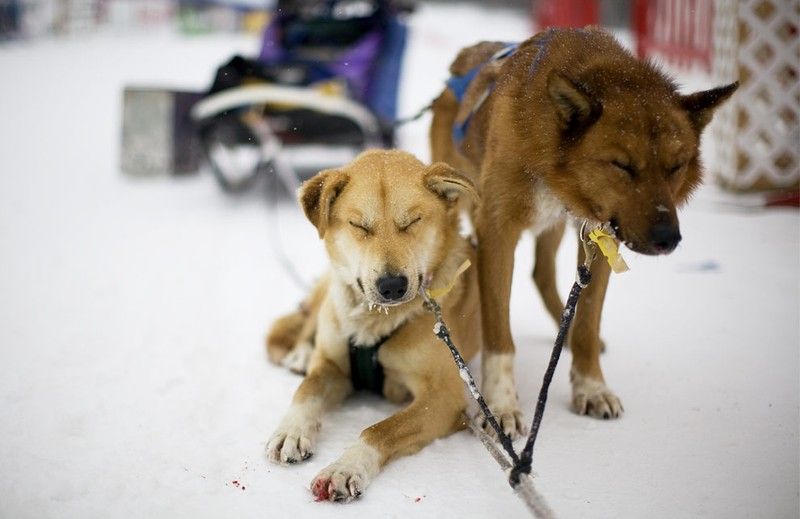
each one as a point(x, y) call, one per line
point(293, 441)
point(509, 419)
point(297, 360)
point(340, 485)
point(346, 478)
point(592, 397)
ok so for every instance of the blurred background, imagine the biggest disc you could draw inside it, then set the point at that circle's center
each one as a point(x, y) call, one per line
point(149, 150)
point(752, 41)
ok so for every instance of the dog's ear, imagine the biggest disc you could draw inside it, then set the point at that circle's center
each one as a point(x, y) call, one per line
point(317, 194)
point(572, 102)
point(701, 105)
point(448, 184)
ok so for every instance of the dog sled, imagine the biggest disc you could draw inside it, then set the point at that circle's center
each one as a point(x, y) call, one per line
point(323, 88)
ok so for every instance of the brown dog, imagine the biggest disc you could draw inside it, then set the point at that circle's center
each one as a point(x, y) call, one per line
point(389, 223)
point(566, 126)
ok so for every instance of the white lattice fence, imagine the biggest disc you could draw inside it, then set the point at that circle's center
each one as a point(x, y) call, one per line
point(757, 135)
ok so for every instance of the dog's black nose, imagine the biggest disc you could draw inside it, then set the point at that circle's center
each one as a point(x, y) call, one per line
point(664, 237)
point(392, 288)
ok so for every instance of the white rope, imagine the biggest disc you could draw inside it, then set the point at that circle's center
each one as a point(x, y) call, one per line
point(525, 489)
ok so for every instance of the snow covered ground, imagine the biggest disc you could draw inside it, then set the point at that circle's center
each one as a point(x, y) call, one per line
point(133, 379)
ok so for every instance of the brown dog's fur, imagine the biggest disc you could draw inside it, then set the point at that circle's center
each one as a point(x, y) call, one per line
point(574, 128)
point(385, 214)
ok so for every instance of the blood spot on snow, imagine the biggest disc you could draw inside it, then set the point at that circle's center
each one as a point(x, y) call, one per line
point(235, 483)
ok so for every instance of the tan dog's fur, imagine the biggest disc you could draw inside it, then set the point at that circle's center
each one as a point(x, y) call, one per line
point(574, 128)
point(290, 340)
point(384, 213)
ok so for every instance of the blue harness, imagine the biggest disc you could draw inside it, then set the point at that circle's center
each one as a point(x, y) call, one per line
point(459, 85)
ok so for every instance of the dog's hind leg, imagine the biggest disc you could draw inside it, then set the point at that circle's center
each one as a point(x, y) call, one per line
point(544, 270)
point(290, 339)
point(544, 275)
point(298, 358)
point(590, 395)
point(283, 334)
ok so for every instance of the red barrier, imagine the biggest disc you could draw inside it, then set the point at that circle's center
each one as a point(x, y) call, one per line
point(565, 13)
point(679, 31)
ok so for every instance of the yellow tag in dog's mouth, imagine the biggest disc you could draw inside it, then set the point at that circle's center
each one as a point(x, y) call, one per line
point(608, 246)
point(437, 293)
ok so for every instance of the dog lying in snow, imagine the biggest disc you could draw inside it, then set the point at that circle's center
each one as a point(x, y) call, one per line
point(389, 224)
point(566, 125)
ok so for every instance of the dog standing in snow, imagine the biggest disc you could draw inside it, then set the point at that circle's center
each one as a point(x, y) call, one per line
point(566, 125)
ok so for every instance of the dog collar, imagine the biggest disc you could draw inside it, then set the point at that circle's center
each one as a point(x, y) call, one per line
point(366, 372)
point(436, 293)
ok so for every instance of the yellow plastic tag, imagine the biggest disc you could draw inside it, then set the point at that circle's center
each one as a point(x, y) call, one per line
point(608, 246)
point(437, 293)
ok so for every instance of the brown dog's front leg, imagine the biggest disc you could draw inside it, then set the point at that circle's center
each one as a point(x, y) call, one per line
point(496, 248)
point(429, 416)
point(590, 395)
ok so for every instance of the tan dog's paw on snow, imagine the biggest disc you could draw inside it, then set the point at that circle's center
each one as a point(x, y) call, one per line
point(348, 477)
point(388, 222)
point(294, 439)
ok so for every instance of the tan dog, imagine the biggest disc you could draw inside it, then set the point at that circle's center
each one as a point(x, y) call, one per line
point(569, 125)
point(388, 223)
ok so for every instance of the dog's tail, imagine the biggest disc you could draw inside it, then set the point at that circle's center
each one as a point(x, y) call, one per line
point(290, 339)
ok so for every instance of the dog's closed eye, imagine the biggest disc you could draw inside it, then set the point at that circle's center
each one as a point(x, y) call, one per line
point(674, 170)
point(404, 227)
point(626, 167)
point(362, 227)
